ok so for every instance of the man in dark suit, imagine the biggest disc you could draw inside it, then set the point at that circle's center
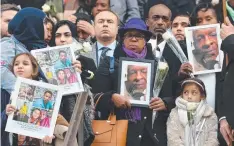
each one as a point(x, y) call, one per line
point(106, 28)
point(226, 106)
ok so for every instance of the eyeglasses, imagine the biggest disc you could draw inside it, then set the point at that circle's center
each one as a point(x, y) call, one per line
point(136, 36)
point(157, 17)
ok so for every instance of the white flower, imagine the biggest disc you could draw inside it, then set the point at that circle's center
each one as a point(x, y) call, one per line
point(162, 65)
point(191, 106)
point(87, 47)
point(77, 46)
point(45, 8)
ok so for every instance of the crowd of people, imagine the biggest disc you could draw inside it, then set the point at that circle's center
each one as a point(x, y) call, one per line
point(132, 29)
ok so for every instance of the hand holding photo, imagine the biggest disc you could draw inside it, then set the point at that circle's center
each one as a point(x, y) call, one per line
point(203, 45)
point(36, 116)
point(135, 80)
point(58, 67)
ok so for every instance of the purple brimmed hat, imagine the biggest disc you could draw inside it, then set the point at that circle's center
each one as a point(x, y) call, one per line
point(135, 24)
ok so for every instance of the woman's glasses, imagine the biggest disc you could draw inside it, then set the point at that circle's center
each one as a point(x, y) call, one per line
point(137, 36)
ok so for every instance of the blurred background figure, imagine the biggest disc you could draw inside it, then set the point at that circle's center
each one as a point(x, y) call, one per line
point(8, 11)
point(125, 9)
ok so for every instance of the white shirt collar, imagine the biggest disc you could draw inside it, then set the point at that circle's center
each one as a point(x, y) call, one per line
point(111, 46)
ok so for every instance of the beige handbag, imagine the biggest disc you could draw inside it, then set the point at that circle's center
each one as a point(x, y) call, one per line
point(109, 132)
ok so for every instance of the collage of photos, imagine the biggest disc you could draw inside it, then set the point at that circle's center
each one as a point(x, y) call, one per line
point(135, 81)
point(203, 45)
point(56, 63)
point(35, 105)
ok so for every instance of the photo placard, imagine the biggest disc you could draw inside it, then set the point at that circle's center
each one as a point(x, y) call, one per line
point(37, 106)
point(135, 76)
point(56, 64)
point(203, 46)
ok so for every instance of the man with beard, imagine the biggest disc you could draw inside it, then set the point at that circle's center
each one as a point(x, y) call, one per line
point(136, 82)
point(206, 49)
point(158, 21)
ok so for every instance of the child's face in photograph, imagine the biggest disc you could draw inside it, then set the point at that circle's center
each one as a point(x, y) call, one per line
point(36, 114)
point(23, 67)
point(61, 75)
point(47, 97)
point(192, 93)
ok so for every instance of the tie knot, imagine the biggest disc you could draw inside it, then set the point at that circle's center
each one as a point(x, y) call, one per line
point(105, 48)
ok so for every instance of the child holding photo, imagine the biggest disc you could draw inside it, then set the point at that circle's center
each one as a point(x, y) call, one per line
point(192, 122)
point(26, 66)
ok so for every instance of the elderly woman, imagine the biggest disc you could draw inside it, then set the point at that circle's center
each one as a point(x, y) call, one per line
point(134, 37)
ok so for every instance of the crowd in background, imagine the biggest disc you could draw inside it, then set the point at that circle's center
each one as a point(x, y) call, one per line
point(131, 29)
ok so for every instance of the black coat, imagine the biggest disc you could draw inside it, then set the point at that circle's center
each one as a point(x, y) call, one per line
point(227, 101)
point(107, 83)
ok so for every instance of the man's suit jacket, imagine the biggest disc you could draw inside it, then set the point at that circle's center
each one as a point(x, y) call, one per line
point(227, 102)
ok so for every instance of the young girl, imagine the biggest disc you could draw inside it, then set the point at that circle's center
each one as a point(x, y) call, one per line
point(192, 122)
point(25, 65)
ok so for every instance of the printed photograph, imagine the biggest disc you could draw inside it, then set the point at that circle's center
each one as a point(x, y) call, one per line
point(203, 46)
point(26, 92)
point(135, 81)
point(23, 109)
point(37, 117)
point(57, 67)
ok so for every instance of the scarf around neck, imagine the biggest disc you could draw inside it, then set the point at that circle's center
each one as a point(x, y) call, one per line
point(133, 54)
point(190, 131)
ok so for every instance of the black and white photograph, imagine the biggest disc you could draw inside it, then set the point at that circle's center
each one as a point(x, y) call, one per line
point(203, 46)
point(56, 63)
point(135, 80)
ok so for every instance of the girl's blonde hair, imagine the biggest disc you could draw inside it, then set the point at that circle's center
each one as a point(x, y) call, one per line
point(33, 61)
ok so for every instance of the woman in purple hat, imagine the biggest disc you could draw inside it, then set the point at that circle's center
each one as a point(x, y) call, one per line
point(133, 44)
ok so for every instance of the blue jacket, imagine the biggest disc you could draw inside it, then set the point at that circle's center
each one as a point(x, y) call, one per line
point(10, 47)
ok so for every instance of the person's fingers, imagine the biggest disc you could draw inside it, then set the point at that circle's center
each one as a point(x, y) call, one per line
point(224, 133)
point(224, 26)
point(128, 104)
point(157, 106)
point(154, 99)
point(229, 133)
point(155, 102)
point(228, 22)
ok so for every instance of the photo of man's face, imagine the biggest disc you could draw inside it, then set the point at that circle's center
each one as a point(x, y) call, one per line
point(136, 80)
point(206, 47)
point(63, 56)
